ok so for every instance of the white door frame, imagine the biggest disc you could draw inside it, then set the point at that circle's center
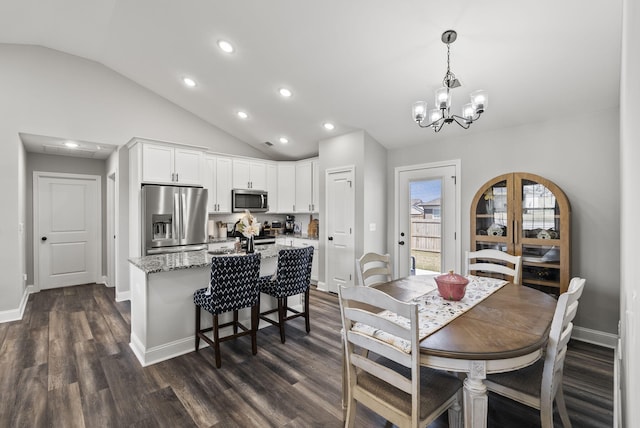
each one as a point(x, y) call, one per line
point(112, 227)
point(37, 175)
point(396, 231)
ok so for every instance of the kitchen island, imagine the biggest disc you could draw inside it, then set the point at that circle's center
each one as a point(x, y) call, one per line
point(162, 308)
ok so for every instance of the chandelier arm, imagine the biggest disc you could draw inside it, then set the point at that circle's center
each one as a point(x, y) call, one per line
point(465, 123)
point(431, 124)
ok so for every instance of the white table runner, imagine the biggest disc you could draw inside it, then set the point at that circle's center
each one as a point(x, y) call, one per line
point(434, 312)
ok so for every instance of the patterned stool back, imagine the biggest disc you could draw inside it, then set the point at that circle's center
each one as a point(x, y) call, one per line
point(294, 271)
point(234, 282)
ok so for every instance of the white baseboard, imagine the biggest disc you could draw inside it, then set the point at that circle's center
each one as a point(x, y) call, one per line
point(322, 286)
point(16, 314)
point(121, 296)
point(596, 337)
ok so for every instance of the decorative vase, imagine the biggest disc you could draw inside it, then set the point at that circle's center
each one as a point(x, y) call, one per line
point(250, 247)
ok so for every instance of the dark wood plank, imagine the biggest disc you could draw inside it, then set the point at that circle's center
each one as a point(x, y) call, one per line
point(64, 407)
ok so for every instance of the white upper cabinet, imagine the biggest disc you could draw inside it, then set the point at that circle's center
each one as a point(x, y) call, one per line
point(272, 187)
point(249, 174)
point(304, 183)
point(315, 187)
point(171, 165)
point(286, 187)
point(307, 186)
point(218, 180)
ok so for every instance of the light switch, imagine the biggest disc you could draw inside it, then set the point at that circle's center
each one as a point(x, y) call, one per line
point(372, 227)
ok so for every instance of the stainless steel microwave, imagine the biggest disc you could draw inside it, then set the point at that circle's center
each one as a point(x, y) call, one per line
point(252, 200)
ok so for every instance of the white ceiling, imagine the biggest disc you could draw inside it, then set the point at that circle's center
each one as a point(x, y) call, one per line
point(358, 63)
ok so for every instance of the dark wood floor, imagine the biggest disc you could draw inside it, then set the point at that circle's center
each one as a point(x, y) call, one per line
point(68, 364)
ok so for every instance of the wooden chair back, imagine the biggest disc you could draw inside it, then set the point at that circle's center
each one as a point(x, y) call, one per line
point(494, 261)
point(373, 268)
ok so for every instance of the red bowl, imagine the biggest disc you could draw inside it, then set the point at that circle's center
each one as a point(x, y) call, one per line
point(451, 286)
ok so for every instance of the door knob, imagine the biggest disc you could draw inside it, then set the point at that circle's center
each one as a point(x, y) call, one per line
point(44, 238)
point(401, 243)
point(330, 238)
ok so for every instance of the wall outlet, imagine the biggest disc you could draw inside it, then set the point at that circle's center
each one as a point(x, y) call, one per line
point(24, 277)
point(372, 227)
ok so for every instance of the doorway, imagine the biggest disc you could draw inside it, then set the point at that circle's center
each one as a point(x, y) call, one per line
point(66, 220)
point(340, 203)
point(428, 219)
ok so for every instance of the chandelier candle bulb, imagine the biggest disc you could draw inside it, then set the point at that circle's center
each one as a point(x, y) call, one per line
point(435, 115)
point(419, 110)
point(443, 100)
point(468, 111)
point(479, 100)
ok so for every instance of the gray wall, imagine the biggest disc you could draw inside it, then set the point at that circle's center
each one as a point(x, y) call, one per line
point(579, 154)
point(70, 165)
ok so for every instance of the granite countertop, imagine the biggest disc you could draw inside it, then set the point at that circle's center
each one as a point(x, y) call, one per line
point(191, 259)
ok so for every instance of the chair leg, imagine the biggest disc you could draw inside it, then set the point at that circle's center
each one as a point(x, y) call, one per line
point(254, 328)
point(562, 408)
point(282, 314)
point(235, 322)
point(216, 341)
point(306, 311)
point(197, 328)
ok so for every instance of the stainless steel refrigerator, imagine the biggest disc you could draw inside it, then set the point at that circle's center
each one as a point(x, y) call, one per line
point(173, 219)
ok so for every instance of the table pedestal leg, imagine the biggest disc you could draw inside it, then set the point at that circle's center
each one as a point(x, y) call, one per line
point(475, 397)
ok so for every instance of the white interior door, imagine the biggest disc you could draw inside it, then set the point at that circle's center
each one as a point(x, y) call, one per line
point(66, 229)
point(435, 187)
point(340, 203)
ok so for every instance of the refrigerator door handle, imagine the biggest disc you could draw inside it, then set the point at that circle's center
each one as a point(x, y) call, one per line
point(176, 215)
point(183, 210)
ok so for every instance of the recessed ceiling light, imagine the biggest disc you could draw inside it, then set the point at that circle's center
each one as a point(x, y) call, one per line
point(328, 126)
point(284, 140)
point(226, 46)
point(71, 144)
point(189, 82)
point(242, 114)
point(285, 92)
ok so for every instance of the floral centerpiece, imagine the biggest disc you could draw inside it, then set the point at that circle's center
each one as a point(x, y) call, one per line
point(249, 227)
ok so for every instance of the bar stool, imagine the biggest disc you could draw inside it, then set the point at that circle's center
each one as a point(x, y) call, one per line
point(233, 286)
point(293, 276)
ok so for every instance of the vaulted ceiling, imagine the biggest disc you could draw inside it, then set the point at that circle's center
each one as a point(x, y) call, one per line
point(359, 64)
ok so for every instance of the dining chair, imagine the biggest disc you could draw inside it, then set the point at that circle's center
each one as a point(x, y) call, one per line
point(373, 268)
point(233, 285)
point(540, 384)
point(388, 378)
point(292, 277)
point(494, 261)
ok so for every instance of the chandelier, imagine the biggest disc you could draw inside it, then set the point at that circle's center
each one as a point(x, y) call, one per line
point(441, 114)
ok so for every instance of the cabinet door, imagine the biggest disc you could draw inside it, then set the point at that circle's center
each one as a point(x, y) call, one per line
point(223, 184)
point(241, 174)
point(210, 182)
point(188, 166)
point(304, 184)
point(258, 175)
point(157, 164)
point(272, 187)
point(542, 232)
point(286, 187)
point(315, 188)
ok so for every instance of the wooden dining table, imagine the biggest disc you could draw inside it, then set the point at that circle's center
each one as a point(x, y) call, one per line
point(504, 332)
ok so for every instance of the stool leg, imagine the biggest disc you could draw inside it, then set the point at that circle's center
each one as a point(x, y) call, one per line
point(235, 322)
point(254, 329)
point(282, 314)
point(306, 311)
point(216, 341)
point(197, 328)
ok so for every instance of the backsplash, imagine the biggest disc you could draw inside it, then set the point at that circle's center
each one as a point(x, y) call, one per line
point(302, 221)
